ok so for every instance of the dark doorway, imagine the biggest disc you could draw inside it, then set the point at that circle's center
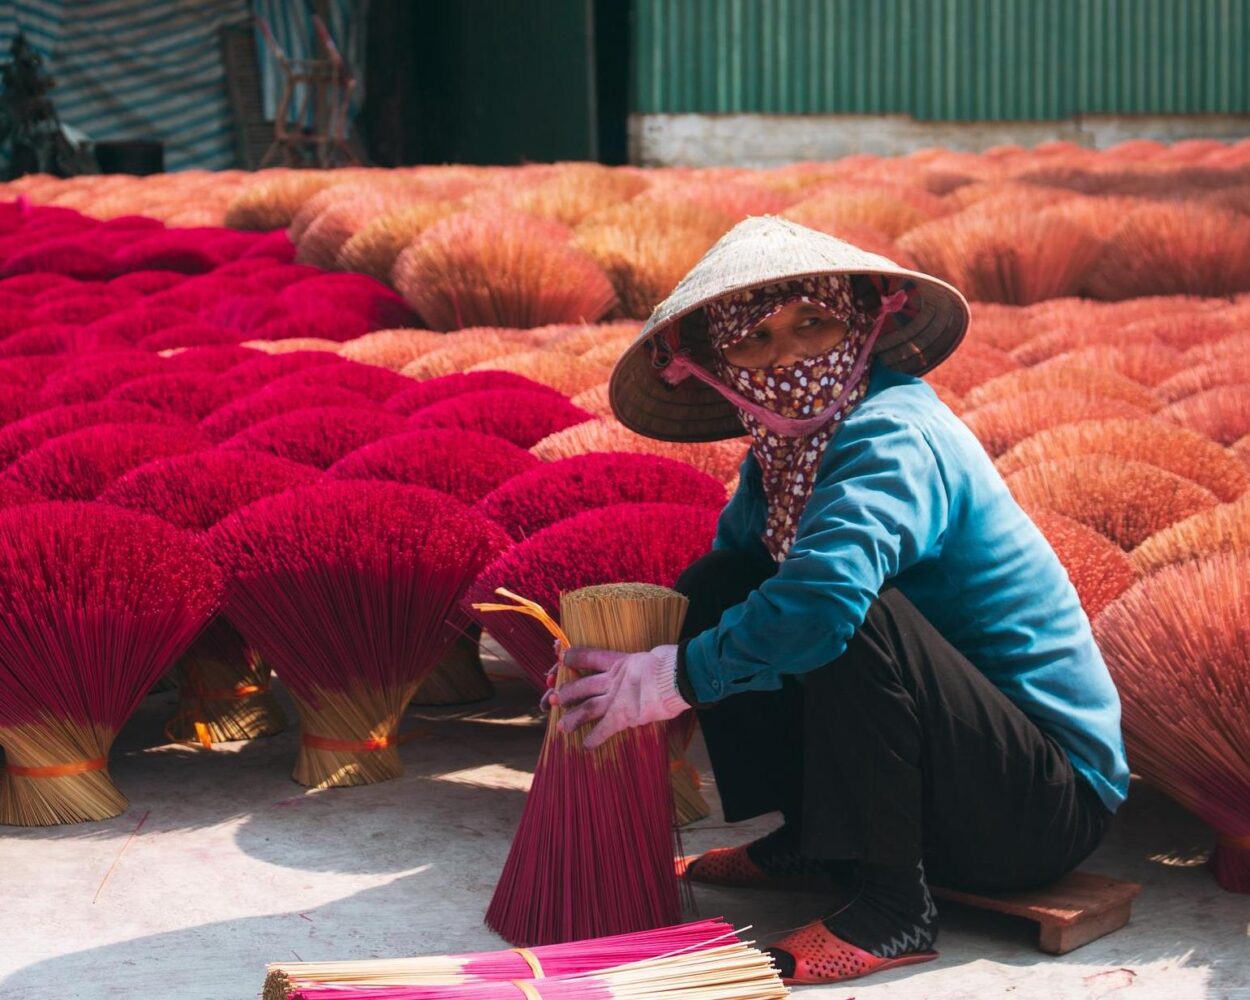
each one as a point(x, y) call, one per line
point(497, 81)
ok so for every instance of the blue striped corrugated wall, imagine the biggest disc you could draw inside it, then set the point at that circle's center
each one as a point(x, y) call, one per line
point(943, 59)
point(138, 69)
point(40, 21)
point(292, 27)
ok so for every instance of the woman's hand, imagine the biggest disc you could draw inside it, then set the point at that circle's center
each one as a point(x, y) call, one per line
point(618, 690)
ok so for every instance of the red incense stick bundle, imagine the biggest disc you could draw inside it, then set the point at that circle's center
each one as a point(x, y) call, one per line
point(223, 685)
point(539, 962)
point(350, 591)
point(593, 852)
point(95, 604)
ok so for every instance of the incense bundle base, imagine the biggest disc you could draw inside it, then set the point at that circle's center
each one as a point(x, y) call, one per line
point(593, 852)
point(224, 691)
point(458, 679)
point(350, 738)
point(57, 773)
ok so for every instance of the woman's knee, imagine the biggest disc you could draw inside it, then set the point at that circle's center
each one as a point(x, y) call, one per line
point(717, 581)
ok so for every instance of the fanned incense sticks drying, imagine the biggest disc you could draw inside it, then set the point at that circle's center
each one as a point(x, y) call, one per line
point(1179, 651)
point(539, 962)
point(95, 604)
point(593, 851)
point(349, 590)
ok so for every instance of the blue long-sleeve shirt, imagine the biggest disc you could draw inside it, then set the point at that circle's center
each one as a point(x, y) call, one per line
point(906, 493)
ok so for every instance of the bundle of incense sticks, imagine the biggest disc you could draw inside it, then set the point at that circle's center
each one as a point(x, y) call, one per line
point(734, 971)
point(593, 852)
point(543, 961)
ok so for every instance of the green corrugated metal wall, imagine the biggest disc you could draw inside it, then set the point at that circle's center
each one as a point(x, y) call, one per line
point(942, 59)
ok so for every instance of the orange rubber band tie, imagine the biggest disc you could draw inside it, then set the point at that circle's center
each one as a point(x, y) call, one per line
point(58, 770)
point(315, 742)
point(1241, 843)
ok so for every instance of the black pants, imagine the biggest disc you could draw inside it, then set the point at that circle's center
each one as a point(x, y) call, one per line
point(898, 750)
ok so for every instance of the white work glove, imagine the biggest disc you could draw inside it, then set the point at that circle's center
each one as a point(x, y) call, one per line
point(617, 690)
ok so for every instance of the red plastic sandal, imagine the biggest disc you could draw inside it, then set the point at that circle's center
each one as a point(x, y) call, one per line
point(732, 866)
point(820, 956)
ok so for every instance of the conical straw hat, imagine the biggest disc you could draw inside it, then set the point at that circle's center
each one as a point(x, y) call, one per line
point(759, 251)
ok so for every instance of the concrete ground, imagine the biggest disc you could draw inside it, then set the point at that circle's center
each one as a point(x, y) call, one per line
point(233, 865)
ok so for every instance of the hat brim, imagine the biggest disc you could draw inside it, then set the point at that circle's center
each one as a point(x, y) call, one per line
point(692, 411)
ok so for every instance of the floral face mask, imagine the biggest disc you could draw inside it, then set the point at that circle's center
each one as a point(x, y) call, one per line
point(796, 408)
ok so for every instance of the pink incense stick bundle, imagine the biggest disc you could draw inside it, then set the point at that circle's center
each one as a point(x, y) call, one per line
point(516, 415)
point(378, 384)
point(435, 390)
point(350, 591)
point(733, 971)
point(27, 434)
point(223, 684)
point(593, 851)
point(540, 962)
point(78, 465)
point(263, 369)
point(553, 491)
point(190, 395)
point(463, 463)
point(642, 543)
point(95, 604)
point(317, 436)
point(273, 401)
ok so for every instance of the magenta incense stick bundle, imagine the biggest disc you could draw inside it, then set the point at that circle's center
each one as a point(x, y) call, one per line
point(593, 853)
point(350, 590)
point(223, 684)
point(95, 604)
point(734, 971)
point(540, 962)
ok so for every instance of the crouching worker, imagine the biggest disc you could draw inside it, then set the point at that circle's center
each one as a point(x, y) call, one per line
point(881, 646)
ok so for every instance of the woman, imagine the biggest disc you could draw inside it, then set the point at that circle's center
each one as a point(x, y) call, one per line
point(881, 646)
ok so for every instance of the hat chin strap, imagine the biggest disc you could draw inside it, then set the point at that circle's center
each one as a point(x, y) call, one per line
point(683, 366)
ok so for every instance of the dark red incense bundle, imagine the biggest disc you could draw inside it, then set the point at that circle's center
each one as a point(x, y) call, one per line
point(516, 415)
point(93, 376)
point(246, 313)
point(78, 465)
point(357, 293)
point(30, 371)
point(260, 371)
point(378, 384)
point(218, 358)
point(136, 321)
point(202, 291)
point(593, 851)
point(642, 543)
point(171, 250)
point(15, 403)
point(350, 591)
point(552, 491)
point(67, 256)
point(194, 333)
point(81, 308)
point(58, 338)
point(1177, 646)
point(271, 401)
point(27, 434)
point(317, 436)
point(422, 394)
point(11, 495)
point(187, 394)
point(463, 464)
point(223, 685)
point(328, 322)
point(95, 604)
point(147, 282)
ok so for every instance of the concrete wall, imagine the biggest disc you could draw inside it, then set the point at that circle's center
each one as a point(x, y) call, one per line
point(759, 140)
